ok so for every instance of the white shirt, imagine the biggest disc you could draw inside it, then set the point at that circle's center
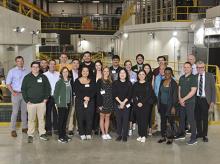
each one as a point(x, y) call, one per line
point(75, 74)
point(203, 85)
point(53, 78)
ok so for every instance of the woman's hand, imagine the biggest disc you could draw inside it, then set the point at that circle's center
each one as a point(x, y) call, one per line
point(139, 105)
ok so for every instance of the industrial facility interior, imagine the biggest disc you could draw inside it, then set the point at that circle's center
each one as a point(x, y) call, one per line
point(44, 29)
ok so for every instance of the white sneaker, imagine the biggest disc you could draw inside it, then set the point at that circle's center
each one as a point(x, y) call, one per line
point(104, 137)
point(139, 139)
point(88, 137)
point(143, 139)
point(83, 137)
point(133, 126)
point(108, 137)
point(130, 132)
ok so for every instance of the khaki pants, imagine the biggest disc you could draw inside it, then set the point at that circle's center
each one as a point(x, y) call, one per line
point(34, 110)
point(72, 123)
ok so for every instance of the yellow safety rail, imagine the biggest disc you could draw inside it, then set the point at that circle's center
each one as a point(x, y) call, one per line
point(127, 14)
point(75, 27)
point(25, 7)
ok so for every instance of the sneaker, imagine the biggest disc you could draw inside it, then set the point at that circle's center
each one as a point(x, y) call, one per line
point(188, 131)
point(88, 137)
point(30, 139)
point(68, 138)
point(134, 126)
point(62, 140)
point(130, 132)
point(104, 137)
point(150, 134)
point(83, 137)
point(143, 139)
point(180, 137)
point(118, 138)
point(139, 139)
point(44, 137)
point(108, 137)
point(192, 142)
point(70, 133)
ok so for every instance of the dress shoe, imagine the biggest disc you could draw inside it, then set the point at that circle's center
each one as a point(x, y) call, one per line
point(205, 139)
point(13, 133)
point(119, 138)
point(24, 130)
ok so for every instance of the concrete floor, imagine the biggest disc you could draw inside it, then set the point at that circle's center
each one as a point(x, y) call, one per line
point(18, 151)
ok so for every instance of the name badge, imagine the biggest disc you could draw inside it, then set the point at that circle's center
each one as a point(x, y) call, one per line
point(102, 92)
point(128, 105)
point(113, 71)
point(135, 70)
point(87, 85)
point(39, 80)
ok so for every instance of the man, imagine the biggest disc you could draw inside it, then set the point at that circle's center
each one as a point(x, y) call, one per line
point(36, 91)
point(72, 116)
point(161, 61)
point(187, 91)
point(43, 66)
point(87, 61)
point(63, 63)
point(14, 82)
point(192, 60)
point(53, 77)
point(205, 100)
point(140, 63)
point(115, 68)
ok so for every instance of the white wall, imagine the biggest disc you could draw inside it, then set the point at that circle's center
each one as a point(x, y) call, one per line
point(139, 41)
point(10, 20)
point(93, 43)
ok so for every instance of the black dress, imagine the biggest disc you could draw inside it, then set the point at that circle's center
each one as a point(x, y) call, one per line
point(104, 96)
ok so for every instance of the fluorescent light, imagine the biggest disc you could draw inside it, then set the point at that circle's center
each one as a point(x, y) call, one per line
point(60, 1)
point(95, 1)
point(125, 35)
point(175, 33)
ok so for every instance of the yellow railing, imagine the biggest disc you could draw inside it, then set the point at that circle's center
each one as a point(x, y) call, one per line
point(127, 14)
point(25, 7)
point(74, 26)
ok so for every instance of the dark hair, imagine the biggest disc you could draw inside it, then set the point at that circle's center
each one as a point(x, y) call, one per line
point(87, 52)
point(75, 59)
point(161, 57)
point(140, 55)
point(98, 61)
point(61, 71)
point(127, 75)
point(52, 60)
point(150, 75)
point(169, 69)
point(140, 72)
point(115, 57)
point(80, 71)
point(19, 57)
point(188, 63)
point(35, 62)
point(126, 61)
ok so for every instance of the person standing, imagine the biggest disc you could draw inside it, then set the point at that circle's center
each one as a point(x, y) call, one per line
point(105, 102)
point(142, 94)
point(36, 90)
point(63, 62)
point(14, 82)
point(115, 68)
point(43, 66)
point(140, 63)
point(167, 102)
point(53, 76)
point(161, 61)
point(63, 100)
point(122, 90)
point(187, 94)
point(71, 123)
point(85, 90)
point(205, 100)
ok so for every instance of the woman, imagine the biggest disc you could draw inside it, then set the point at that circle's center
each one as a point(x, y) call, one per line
point(63, 100)
point(85, 89)
point(167, 101)
point(122, 90)
point(133, 79)
point(105, 102)
point(142, 95)
point(98, 70)
point(149, 79)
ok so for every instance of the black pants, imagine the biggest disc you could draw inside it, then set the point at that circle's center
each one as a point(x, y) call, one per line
point(165, 117)
point(122, 118)
point(85, 117)
point(142, 119)
point(150, 116)
point(201, 112)
point(63, 113)
point(51, 112)
point(189, 111)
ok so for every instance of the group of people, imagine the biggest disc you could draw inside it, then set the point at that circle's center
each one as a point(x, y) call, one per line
point(92, 97)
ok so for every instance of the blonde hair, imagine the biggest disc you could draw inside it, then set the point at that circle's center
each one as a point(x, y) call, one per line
point(109, 80)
